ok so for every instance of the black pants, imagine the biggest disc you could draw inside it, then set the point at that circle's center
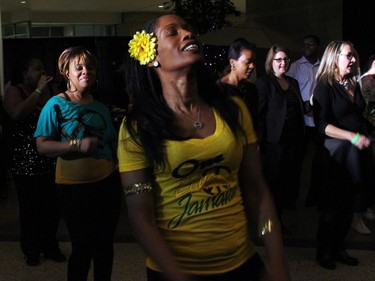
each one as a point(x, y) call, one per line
point(252, 270)
point(332, 230)
point(313, 137)
point(39, 214)
point(346, 165)
point(347, 173)
point(91, 213)
point(282, 165)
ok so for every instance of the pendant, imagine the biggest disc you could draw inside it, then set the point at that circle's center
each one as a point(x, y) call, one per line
point(198, 125)
point(344, 84)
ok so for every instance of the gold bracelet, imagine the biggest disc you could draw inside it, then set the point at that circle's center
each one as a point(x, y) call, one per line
point(38, 91)
point(138, 188)
point(266, 228)
point(75, 145)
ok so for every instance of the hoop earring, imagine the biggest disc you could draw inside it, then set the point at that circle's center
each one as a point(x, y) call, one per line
point(156, 64)
point(68, 85)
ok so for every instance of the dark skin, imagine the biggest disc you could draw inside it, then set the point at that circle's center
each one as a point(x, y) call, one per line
point(241, 69)
point(34, 77)
point(178, 53)
point(310, 49)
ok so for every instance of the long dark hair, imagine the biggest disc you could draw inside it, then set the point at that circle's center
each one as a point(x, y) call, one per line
point(151, 121)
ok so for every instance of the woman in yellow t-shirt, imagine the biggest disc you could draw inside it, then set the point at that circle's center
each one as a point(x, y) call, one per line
point(190, 168)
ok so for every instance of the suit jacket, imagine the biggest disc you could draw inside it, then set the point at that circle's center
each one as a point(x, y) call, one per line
point(272, 107)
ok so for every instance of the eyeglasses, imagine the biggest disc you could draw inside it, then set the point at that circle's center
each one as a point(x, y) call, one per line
point(279, 60)
point(349, 56)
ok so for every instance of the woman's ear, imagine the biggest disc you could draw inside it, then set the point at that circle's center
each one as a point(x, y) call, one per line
point(231, 63)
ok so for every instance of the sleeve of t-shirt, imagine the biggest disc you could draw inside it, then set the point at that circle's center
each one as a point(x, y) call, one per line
point(47, 125)
point(130, 155)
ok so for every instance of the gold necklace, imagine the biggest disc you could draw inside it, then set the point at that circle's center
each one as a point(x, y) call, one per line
point(197, 124)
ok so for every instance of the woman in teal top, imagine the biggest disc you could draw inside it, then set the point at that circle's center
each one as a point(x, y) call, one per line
point(78, 131)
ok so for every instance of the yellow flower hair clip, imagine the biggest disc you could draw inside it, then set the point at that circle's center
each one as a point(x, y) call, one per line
point(143, 47)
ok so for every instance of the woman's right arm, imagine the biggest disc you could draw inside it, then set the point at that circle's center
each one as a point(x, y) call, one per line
point(142, 218)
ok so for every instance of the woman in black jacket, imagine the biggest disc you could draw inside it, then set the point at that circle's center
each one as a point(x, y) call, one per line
point(281, 128)
point(348, 166)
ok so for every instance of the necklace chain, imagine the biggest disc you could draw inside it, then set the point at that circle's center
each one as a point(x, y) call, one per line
point(345, 84)
point(197, 124)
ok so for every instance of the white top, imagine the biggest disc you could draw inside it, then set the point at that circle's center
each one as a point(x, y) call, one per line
point(304, 72)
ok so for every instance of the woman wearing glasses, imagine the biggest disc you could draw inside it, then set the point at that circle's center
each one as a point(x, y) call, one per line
point(338, 114)
point(281, 128)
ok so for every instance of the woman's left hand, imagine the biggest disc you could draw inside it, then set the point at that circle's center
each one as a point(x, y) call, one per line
point(363, 142)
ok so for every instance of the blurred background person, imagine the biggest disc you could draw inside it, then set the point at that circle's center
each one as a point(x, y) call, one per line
point(348, 164)
point(367, 83)
point(281, 129)
point(119, 99)
point(79, 131)
point(236, 82)
point(33, 173)
point(304, 71)
point(368, 88)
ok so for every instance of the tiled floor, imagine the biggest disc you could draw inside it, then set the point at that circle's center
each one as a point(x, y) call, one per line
point(129, 265)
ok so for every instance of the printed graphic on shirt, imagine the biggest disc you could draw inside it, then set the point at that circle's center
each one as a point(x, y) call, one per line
point(87, 123)
point(213, 189)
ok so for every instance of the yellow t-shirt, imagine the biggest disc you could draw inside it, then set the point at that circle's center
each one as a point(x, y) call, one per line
point(199, 207)
point(83, 170)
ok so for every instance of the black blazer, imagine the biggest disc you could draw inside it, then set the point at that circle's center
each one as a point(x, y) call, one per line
point(272, 107)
